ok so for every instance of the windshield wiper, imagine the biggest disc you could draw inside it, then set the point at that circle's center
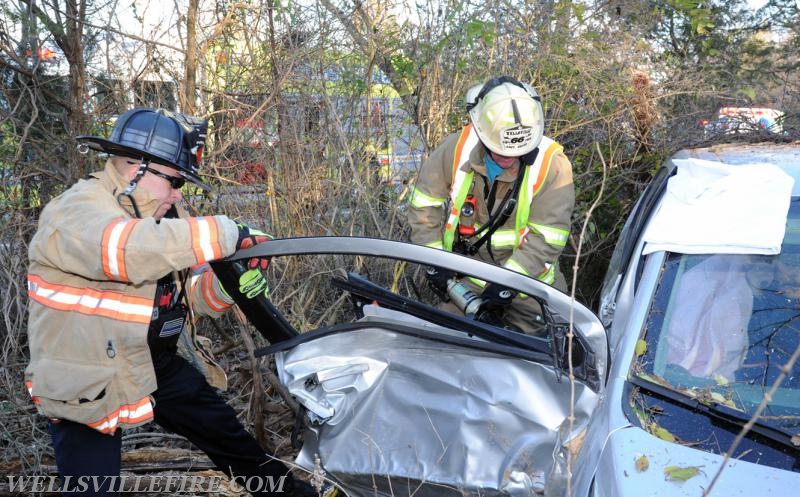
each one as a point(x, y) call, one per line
point(716, 411)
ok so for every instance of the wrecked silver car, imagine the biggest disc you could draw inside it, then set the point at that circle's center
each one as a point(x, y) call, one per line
point(702, 305)
point(406, 399)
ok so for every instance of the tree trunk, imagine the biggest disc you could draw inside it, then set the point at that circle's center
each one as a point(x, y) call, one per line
point(188, 97)
point(77, 122)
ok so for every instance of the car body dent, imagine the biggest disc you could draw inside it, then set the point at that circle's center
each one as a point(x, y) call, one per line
point(412, 411)
point(399, 404)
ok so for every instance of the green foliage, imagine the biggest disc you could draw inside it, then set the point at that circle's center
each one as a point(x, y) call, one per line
point(480, 30)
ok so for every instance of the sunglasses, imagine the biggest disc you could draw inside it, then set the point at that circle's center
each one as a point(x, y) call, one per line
point(176, 182)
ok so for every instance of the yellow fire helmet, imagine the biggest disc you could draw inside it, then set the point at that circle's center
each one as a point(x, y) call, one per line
point(507, 115)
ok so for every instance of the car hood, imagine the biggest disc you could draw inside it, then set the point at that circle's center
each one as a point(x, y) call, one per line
point(633, 460)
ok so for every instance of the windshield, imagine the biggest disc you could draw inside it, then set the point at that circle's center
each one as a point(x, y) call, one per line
point(725, 328)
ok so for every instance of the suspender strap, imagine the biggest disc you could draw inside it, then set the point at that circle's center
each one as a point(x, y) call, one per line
point(502, 214)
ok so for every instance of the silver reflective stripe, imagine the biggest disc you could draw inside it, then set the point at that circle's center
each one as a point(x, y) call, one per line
point(504, 238)
point(420, 199)
point(554, 236)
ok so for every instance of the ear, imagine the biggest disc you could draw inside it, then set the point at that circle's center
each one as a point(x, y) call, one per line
point(124, 168)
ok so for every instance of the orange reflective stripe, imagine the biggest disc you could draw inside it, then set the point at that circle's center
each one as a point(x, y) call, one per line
point(548, 157)
point(110, 304)
point(460, 183)
point(115, 236)
point(462, 141)
point(522, 234)
point(205, 238)
point(29, 386)
point(138, 412)
point(206, 282)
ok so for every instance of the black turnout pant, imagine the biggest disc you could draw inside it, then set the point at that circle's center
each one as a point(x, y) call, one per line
point(184, 404)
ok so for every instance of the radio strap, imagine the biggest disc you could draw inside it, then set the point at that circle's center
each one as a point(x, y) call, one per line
point(501, 215)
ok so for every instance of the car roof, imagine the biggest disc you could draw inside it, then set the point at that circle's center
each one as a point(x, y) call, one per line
point(784, 155)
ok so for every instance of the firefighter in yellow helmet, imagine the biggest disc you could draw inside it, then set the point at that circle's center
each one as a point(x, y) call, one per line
point(501, 192)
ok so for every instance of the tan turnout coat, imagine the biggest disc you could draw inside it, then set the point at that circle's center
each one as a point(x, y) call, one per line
point(534, 253)
point(91, 284)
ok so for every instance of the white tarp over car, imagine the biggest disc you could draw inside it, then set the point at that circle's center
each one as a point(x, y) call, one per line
point(711, 207)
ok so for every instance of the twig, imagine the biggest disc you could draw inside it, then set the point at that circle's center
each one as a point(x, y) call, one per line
point(785, 369)
point(257, 397)
point(571, 333)
point(282, 391)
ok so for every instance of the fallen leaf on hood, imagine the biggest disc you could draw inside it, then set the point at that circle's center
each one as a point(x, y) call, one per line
point(642, 464)
point(641, 347)
point(663, 433)
point(679, 474)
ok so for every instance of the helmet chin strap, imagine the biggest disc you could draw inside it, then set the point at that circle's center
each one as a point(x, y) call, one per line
point(143, 164)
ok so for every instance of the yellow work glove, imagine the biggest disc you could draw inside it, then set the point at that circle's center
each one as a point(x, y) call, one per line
point(252, 283)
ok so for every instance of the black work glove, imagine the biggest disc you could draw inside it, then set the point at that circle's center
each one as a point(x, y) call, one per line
point(248, 238)
point(493, 318)
point(496, 297)
point(438, 277)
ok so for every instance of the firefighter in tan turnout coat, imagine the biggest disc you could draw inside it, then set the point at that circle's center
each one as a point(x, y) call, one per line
point(116, 270)
point(498, 191)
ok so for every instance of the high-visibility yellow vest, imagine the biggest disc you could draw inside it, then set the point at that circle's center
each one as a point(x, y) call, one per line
point(532, 182)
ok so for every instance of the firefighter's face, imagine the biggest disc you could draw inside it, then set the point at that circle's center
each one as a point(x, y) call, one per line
point(158, 181)
point(502, 160)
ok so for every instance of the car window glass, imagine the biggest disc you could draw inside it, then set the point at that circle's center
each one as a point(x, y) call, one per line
point(727, 324)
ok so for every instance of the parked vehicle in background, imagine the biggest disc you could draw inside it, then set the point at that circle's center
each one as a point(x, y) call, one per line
point(394, 145)
point(702, 306)
point(380, 136)
point(733, 120)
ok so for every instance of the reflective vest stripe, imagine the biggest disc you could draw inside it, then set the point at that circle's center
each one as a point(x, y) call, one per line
point(554, 236)
point(437, 244)
point(548, 275)
point(115, 236)
point(110, 304)
point(550, 150)
point(135, 413)
point(532, 182)
point(504, 238)
point(29, 386)
point(205, 238)
point(419, 199)
point(514, 266)
point(462, 180)
point(208, 288)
